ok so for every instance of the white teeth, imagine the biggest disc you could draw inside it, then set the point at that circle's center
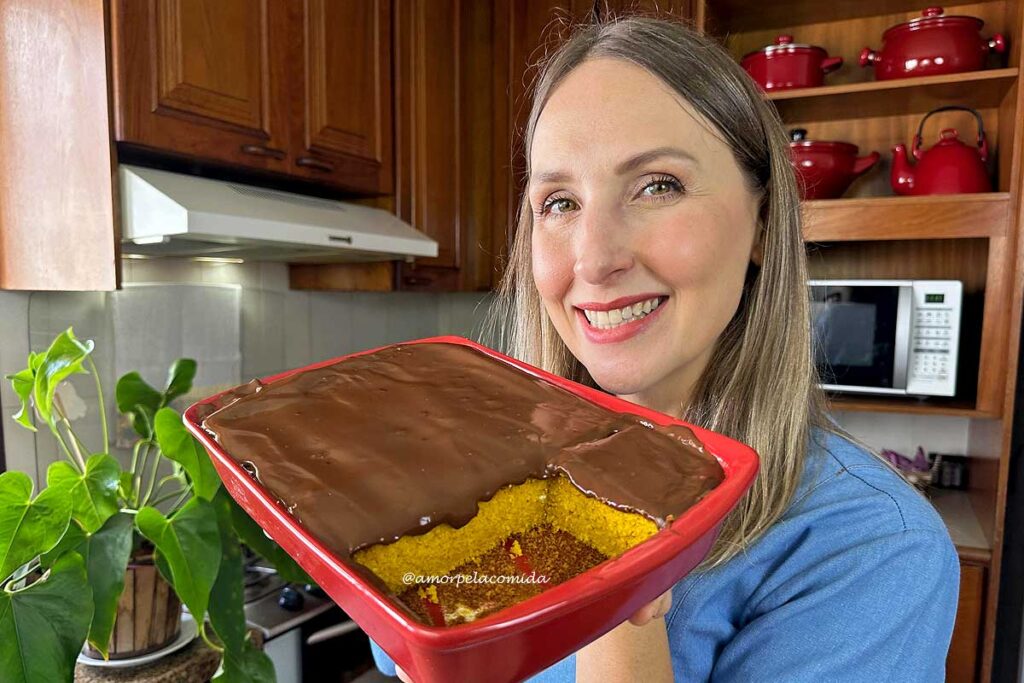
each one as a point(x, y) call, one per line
point(618, 316)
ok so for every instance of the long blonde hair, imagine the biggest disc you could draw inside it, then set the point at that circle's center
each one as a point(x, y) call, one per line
point(760, 386)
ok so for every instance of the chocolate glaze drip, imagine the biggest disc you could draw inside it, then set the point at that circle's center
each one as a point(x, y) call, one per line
point(396, 442)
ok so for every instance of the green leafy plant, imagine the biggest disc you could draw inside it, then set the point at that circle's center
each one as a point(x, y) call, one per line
point(64, 550)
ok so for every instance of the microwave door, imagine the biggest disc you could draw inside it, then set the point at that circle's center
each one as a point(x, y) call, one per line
point(856, 333)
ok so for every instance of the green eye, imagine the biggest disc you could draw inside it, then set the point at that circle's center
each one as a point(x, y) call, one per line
point(661, 187)
point(559, 205)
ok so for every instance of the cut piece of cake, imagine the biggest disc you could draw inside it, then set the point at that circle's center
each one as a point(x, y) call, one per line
point(431, 460)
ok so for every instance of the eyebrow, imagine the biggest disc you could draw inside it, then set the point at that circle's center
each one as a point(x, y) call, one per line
point(630, 164)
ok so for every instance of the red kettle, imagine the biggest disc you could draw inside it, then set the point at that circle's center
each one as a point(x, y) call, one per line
point(949, 167)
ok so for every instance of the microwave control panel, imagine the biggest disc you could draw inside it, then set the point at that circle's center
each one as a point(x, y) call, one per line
point(934, 338)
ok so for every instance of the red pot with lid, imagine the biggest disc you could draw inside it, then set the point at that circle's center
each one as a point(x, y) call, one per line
point(789, 65)
point(948, 167)
point(932, 44)
point(825, 168)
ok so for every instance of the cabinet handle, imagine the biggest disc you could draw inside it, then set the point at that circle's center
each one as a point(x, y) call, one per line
point(412, 280)
point(315, 164)
point(261, 151)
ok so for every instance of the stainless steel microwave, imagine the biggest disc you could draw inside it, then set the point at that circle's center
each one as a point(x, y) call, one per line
point(887, 337)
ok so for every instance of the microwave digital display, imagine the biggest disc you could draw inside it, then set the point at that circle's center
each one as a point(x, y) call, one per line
point(934, 298)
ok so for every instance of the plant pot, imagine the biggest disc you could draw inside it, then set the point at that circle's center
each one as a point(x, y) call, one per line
point(148, 613)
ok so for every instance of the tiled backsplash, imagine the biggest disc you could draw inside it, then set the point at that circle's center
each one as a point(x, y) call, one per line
point(275, 329)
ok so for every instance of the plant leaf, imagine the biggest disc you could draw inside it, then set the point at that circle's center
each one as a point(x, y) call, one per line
point(139, 401)
point(22, 383)
point(227, 614)
point(189, 542)
point(63, 359)
point(179, 379)
point(72, 539)
point(43, 626)
point(252, 535)
point(178, 445)
point(132, 390)
point(28, 527)
point(248, 665)
point(93, 494)
point(106, 555)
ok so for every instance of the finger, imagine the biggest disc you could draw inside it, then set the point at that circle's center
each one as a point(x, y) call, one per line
point(652, 610)
point(402, 676)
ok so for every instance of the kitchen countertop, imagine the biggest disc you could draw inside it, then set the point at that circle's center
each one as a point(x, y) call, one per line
point(196, 663)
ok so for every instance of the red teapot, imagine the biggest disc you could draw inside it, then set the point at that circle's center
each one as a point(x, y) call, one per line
point(949, 167)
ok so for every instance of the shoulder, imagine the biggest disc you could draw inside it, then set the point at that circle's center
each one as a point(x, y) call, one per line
point(855, 531)
point(843, 480)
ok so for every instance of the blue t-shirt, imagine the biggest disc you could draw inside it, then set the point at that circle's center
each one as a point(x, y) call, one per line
point(857, 581)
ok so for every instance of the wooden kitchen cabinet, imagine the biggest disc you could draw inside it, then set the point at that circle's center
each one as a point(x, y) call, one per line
point(57, 194)
point(962, 660)
point(668, 9)
point(203, 79)
point(291, 88)
point(974, 238)
point(341, 93)
point(462, 73)
point(445, 149)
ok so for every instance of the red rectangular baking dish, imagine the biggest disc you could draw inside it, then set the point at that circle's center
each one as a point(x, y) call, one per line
point(521, 640)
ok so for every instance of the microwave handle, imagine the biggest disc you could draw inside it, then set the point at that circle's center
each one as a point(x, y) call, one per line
point(904, 345)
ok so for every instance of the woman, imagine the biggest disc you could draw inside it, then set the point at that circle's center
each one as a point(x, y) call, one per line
point(658, 174)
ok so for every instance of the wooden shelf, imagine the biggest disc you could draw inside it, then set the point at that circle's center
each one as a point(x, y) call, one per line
point(934, 406)
point(977, 89)
point(739, 15)
point(962, 522)
point(953, 216)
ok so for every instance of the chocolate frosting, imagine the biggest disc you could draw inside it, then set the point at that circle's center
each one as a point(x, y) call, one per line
point(395, 442)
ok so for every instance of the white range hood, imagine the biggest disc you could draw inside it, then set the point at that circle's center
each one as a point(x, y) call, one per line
point(171, 214)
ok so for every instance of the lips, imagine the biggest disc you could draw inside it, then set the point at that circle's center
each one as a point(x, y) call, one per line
point(620, 319)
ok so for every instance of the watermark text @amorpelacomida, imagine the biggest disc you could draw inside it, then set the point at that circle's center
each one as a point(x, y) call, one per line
point(410, 578)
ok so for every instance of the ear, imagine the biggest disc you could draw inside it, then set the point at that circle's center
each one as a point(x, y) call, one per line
point(756, 251)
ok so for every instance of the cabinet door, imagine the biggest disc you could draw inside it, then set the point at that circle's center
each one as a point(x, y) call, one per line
point(57, 227)
point(444, 139)
point(962, 661)
point(531, 29)
point(341, 60)
point(202, 78)
point(666, 9)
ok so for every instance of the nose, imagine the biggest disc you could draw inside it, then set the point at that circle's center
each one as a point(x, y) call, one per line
point(602, 247)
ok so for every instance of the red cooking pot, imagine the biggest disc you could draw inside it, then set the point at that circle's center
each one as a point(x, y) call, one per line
point(788, 65)
point(949, 167)
point(930, 45)
point(824, 169)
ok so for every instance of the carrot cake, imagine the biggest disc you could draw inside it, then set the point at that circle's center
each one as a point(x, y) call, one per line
point(437, 460)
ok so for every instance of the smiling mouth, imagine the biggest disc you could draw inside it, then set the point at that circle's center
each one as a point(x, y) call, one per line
point(616, 317)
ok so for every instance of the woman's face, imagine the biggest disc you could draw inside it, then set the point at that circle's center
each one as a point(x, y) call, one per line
point(642, 232)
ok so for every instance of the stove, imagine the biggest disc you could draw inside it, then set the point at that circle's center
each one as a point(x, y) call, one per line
point(293, 620)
